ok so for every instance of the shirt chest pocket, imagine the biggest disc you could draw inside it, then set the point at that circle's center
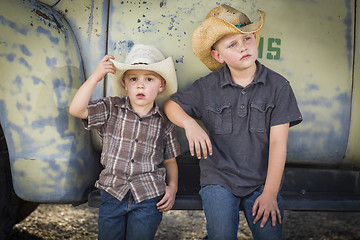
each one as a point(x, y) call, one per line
point(258, 116)
point(218, 119)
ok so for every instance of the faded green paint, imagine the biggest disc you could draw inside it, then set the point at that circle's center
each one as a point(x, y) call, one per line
point(353, 151)
point(88, 20)
point(41, 70)
point(311, 47)
point(49, 2)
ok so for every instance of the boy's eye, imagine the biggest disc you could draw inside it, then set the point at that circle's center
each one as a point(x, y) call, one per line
point(232, 45)
point(133, 79)
point(149, 79)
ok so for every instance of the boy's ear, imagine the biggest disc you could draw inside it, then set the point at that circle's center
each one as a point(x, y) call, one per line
point(162, 86)
point(123, 83)
point(216, 55)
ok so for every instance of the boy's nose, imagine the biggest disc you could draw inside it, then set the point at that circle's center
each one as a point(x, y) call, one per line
point(141, 84)
point(242, 47)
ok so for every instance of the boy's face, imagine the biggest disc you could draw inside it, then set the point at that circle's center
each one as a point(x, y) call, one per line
point(142, 87)
point(238, 51)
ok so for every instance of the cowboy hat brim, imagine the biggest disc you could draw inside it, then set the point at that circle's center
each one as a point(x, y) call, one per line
point(213, 29)
point(164, 68)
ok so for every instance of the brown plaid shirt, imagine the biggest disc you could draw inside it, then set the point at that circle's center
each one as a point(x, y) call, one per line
point(133, 148)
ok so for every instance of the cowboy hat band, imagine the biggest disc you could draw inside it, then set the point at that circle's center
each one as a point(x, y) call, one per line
point(221, 21)
point(145, 57)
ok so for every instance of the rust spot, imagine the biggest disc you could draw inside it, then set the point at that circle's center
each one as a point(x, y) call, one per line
point(47, 18)
point(38, 12)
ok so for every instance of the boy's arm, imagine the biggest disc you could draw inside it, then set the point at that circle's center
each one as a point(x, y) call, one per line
point(78, 107)
point(266, 204)
point(195, 134)
point(167, 202)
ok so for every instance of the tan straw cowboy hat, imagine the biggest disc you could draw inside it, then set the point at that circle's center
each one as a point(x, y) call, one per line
point(221, 21)
point(145, 57)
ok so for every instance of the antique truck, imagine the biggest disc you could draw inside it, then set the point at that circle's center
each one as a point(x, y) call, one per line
point(48, 49)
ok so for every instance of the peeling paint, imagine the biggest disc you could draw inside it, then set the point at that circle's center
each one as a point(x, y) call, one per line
point(25, 50)
point(12, 25)
point(47, 33)
point(37, 80)
point(348, 21)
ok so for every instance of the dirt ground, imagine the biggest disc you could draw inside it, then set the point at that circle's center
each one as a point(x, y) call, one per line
point(69, 222)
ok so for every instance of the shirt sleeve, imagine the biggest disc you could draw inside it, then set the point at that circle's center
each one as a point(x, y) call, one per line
point(171, 144)
point(286, 108)
point(191, 100)
point(98, 113)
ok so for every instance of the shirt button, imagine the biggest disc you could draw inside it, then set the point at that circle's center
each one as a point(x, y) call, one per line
point(218, 109)
point(132, 160)
point(129, 180)
point(136, 140)
point(242, 106)
point(140, 119)
point(243, 92)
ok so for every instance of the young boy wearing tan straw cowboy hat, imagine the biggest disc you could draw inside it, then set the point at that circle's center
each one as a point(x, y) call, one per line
point(247, 110)
point(139, 179)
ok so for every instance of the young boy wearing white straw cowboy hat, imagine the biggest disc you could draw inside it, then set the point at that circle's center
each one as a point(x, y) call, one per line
point(247, 109)
point(140, 176)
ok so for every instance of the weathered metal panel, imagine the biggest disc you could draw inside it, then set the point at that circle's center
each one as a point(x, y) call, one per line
point(51, 157)
point(49, 2)
point(353, 151)
point(308, 42)
point(88, 21)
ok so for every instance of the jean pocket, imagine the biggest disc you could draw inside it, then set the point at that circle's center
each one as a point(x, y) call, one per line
point(219, 118)
point(258, 112)
point(108, 198)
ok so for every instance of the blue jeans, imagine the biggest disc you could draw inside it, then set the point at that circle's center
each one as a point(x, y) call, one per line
point(221, 209)
point(127, 219)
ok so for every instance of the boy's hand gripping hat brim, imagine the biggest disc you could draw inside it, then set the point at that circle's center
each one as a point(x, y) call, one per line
point(145, 57)
point(221, 21)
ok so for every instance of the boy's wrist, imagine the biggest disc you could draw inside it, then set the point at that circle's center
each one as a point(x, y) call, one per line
point(188, 122)
point(94, 78)
point(174, 186)
point(270, 192)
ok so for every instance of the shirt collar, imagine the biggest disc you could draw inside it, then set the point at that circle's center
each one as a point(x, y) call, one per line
point(260, 76)
point(126, 104)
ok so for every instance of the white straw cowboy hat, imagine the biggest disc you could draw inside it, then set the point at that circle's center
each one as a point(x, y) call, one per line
point(221, 21)
point(145, 57)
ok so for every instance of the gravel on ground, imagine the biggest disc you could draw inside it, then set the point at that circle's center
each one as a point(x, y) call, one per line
point(64, 221)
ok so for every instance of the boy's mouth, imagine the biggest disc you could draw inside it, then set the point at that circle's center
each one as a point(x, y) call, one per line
point(140, 95)
point(245, 57)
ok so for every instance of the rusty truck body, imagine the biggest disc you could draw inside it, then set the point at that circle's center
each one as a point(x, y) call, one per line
point(48, 49)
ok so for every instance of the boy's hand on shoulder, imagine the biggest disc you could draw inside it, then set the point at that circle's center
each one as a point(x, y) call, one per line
point(266, 206)
point(167, 202)
point(104, 66)
point(198, 139)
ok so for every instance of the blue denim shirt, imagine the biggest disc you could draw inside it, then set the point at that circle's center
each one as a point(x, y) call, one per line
point(238, 120)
